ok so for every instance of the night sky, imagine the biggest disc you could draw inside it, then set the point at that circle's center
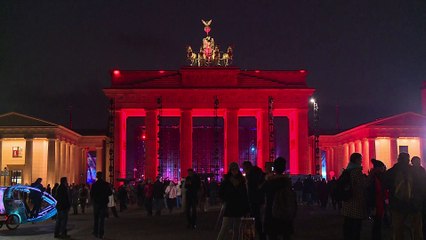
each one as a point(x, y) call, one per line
point(368, 57)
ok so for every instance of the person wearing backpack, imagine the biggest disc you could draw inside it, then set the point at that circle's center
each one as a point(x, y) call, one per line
point(354, 209)
point(405, 199)
point(281, 203)
point(420, 173)
point(233, 192)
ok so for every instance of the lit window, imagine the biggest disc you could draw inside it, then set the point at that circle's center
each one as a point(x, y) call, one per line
point(16, 152)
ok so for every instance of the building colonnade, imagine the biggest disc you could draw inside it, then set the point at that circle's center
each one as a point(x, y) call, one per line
point(298, 137)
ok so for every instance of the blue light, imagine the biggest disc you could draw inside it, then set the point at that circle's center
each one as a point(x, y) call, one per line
point(253, 149)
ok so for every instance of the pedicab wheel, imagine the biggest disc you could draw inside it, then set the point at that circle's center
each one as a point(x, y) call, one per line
point(12, 222)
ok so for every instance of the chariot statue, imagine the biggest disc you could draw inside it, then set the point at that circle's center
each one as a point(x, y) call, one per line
point(209, 54)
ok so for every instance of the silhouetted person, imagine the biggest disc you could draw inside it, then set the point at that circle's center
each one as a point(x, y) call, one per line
point(278, 185)
point(158, 196)
point(192, 186)
point(332, 191)
point(54, 189)
point(405, 199)
point(99, 195)
point(420, 174)
point(83, 195)
point(148, 192)
point(63, 205)
point(255, 178)
point(233, 193)
point(298, 188)
point(35, 197)
point(48, 189)
point(354, 209)
point(377, 197)
point(308, 189)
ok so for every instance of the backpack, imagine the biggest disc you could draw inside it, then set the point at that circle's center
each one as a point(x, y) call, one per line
point(404, 196)
point(284, 205)
point(343, 191)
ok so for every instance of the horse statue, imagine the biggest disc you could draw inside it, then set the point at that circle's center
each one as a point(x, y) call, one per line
point(191, 56)
point(227, 57)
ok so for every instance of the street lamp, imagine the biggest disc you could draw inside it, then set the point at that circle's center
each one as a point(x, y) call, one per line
point(316, 135)
point(134, 172)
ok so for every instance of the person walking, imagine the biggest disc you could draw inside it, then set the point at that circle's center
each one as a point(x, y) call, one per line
point(192, 186)
point(377, 197)
point(83, 195)
point(233, 192)
point(354, 209)
point(171, 194)
point(99, 194)
point(420, 174)
point(281, 203)
point(112, 203)
point(63, 206)
point(255, 178)
point(123, 196)
point(35, 197)
point(405, 199)
point(158, 196)
point(74, 198)
point(148, 191)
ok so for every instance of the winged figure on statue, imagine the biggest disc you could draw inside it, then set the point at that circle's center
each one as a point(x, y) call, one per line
point(209, 54)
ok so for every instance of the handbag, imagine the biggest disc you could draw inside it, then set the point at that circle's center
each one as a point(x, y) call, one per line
point(247, 229)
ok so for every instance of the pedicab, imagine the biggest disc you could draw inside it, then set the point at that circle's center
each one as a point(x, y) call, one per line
point(14, 209)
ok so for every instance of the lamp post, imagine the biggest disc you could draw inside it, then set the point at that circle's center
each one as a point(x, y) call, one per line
point(316, 135)
point(134, 172)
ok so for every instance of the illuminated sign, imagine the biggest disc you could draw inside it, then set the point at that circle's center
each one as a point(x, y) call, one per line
point(16, 152)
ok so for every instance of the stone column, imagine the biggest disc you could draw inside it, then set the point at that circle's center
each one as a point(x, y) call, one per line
point(351, 148)
point(120, 144)
point(365, 156)
point(421, 145)
point(68, 161)
point(62, 159)
point(185, 141)
point(302, 132)
point(1, 151)
point(151, 129)
point(99, 160)
point(346, 155)
point(393, 151)
point(51, 162)
point(358, 146)
point(28, 169)
point(372, 148)
point(231, 138)
point(83, 165)
point(262, 138)
point(299, 147)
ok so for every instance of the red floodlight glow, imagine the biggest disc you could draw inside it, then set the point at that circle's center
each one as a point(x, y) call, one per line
point(302, 71)
point(257, 71)
point(116, 73)
point(161, 71)
point(143, 137)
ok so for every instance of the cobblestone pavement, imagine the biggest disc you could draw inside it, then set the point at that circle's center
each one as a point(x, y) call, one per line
point(311, 223)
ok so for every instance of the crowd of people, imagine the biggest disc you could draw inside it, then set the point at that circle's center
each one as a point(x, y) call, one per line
point(392, 198)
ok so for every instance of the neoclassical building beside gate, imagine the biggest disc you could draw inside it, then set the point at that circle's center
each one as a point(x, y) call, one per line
point(382, 139)
point(31, 148)
point(191, 91)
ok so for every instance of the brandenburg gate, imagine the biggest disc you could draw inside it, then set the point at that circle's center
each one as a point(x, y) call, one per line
point(192, 92)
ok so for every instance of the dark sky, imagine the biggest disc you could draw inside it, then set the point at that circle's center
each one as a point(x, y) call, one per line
point(369, 57)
